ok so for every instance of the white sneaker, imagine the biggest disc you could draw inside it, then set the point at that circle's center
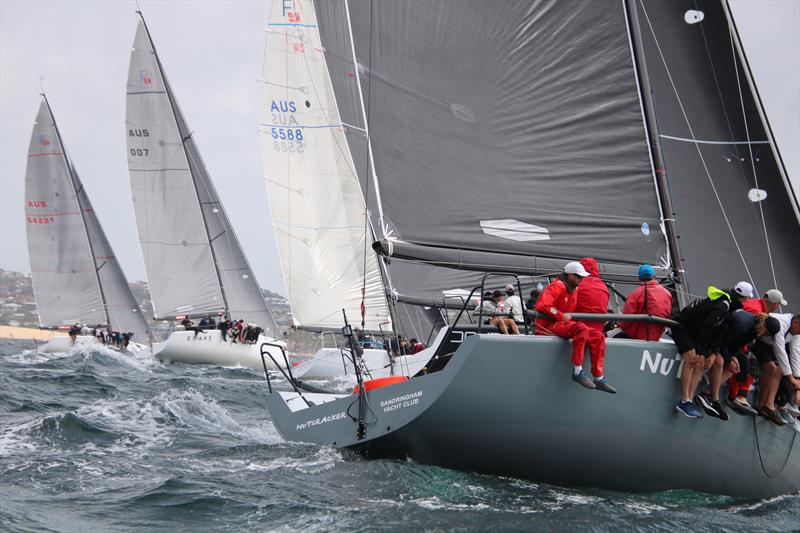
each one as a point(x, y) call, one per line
point(741, 406)
point(793, 409)
point(788, 418)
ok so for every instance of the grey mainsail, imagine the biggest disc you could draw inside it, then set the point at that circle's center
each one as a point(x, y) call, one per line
point(76, 276)
point(499, 139)
point(195, 264)
point(721, 162)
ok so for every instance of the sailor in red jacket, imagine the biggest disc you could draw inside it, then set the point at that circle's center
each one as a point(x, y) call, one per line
point(770, 303)
point(558, 301)
point(649, 298)
point(592, 294)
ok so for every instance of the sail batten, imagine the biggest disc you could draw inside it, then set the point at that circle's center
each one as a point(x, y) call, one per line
point(194, 261)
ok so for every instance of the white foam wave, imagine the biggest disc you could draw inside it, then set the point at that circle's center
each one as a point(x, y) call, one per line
point(324, 459)
point(16, 440)
point(157, 421)
point(435, 504)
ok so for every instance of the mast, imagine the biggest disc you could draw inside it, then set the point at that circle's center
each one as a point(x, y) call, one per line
point(168, 91)
point(649, 115)
point(72, 179)
point(381, 266)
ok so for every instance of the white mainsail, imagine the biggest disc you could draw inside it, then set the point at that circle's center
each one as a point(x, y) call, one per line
point(76, 276)
point(195, 264)
point(317, 205)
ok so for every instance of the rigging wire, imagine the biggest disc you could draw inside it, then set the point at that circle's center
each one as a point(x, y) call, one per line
point(696, 144)
point(366, 129)
point(752, 159)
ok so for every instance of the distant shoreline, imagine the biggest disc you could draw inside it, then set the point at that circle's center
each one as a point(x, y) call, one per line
point(13, 332)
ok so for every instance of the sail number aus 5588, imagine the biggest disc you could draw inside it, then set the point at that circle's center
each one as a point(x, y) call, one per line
point(287, 134)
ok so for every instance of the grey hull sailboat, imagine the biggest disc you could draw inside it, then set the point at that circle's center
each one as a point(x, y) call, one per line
point(76, 276)
point(195, 264)
point(510, 138)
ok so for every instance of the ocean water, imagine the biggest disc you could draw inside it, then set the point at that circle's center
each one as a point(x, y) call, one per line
point(96, 440)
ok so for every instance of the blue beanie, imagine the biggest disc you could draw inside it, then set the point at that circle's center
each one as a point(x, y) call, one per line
point(646, 272)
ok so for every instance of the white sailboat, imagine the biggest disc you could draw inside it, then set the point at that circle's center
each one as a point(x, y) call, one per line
point(194, 262)
point(317, 205)
point(76, 277)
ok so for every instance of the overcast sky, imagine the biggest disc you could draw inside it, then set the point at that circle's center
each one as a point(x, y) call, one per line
point(212, 53)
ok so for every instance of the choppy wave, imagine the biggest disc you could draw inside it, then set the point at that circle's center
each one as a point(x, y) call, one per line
point(95, 439)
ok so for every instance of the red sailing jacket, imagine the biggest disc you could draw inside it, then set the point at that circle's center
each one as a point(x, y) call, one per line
point(754, 305)
point(659, 303)
point(592, 293)
point(554, 301)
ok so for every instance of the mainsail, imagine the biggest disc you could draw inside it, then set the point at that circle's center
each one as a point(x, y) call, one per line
point(317, 206)
point(519, 132)
point(195, 264)
point(76, 276)
point(506, 136)
point(734, 207)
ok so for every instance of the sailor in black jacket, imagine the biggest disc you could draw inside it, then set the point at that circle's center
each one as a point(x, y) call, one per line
point(699, 341)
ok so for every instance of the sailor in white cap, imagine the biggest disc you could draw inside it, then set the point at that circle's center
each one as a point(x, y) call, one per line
point(554, 306)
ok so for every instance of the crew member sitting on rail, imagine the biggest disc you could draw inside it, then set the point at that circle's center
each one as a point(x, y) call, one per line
point(699, 340)
point(788, 363)
point(770, 303)
point(649, 298)
point(558, 301)
point(74, 331)
point(591, 296)
point(514, 305)
point(489, 309)
point(742, 329)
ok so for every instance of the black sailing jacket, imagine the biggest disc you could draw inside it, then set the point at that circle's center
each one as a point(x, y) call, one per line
point(707, 319)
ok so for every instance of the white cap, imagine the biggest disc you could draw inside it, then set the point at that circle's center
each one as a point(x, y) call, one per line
point(509, 287)
point(573, 267)
point(774, 296)
point(745, 289)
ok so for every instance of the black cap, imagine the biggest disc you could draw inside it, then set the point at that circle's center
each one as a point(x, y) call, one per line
point(772, 325)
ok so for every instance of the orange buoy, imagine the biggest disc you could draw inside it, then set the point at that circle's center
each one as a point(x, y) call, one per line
point(380, 382)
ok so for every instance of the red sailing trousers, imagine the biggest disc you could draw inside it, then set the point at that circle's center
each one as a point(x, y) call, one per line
point(581, 334)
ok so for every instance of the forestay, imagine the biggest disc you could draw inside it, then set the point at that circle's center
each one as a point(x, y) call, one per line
point(317, 206)
point(194, 261)
point(507, 128)
point(734, 208)
point(76, 276)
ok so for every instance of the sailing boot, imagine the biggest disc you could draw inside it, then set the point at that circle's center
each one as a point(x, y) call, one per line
point(602, 384)
point(581, 379)
point(771, 415)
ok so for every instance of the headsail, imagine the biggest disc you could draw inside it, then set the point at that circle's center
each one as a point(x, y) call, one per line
point(317, 206)
point(76, 276)
point(724, 172)
point(195, 264)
